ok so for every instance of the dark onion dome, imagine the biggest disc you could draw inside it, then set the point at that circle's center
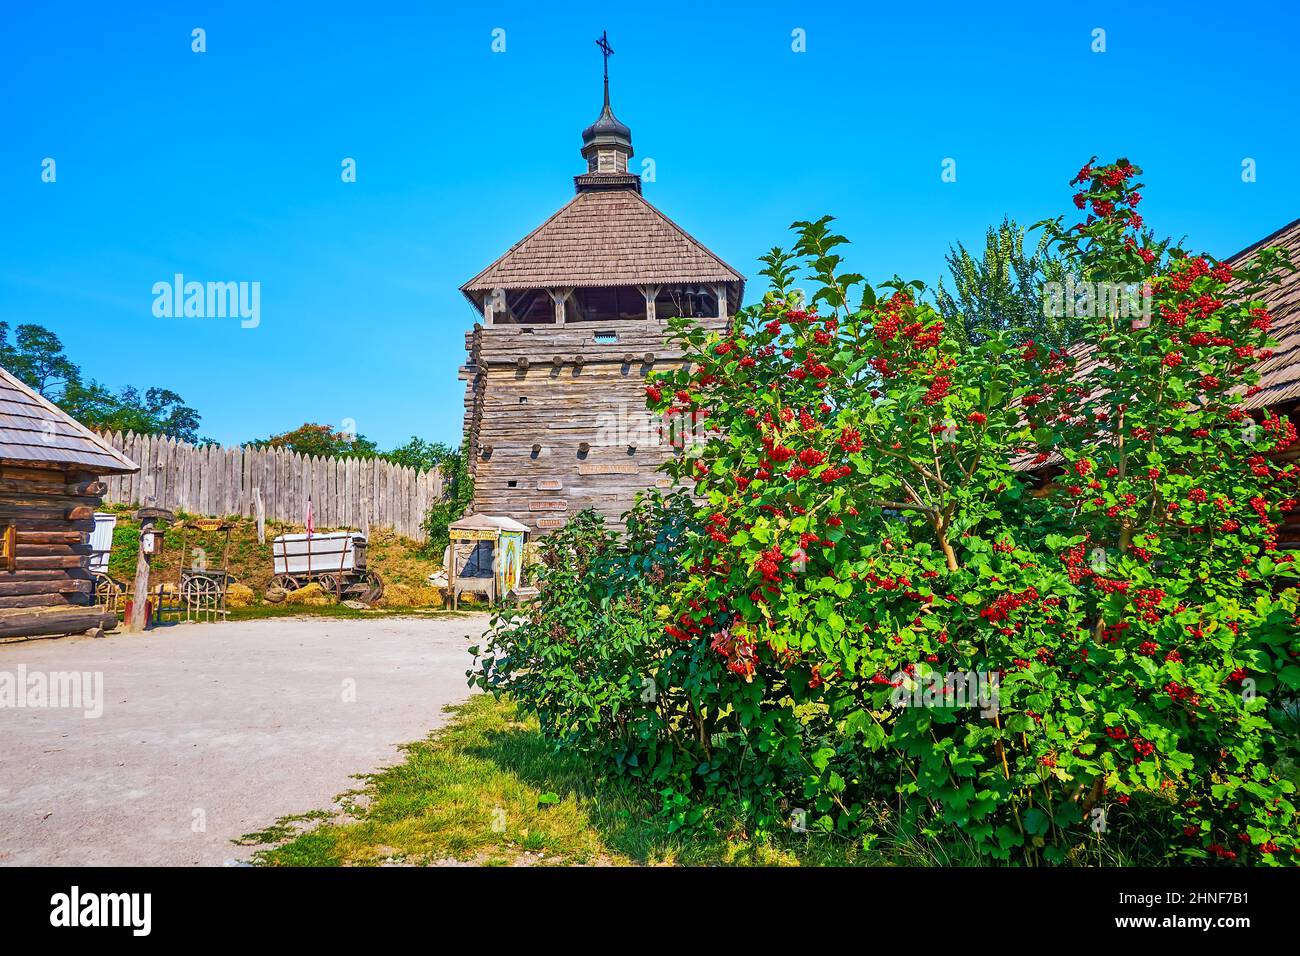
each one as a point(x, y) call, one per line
point(606, 128)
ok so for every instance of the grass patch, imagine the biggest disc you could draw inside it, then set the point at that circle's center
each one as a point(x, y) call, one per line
point(488, 789)
point(282, 830)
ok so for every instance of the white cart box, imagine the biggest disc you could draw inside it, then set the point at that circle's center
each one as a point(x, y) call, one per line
point(320, 553)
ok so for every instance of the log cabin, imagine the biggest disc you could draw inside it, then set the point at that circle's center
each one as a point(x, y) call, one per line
point(50, 471)
point(572, 319)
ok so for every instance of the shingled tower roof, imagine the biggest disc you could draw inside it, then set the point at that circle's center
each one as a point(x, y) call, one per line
point(607, 235)
point(602, 237)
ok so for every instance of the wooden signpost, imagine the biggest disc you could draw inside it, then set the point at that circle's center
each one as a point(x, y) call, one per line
point(151, 539)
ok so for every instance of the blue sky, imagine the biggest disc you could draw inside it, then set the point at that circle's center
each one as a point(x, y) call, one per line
point(225, 165)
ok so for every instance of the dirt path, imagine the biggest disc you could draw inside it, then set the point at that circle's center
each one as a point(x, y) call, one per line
point(211, 731)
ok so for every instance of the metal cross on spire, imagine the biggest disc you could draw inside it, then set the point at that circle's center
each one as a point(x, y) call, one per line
point(606, 51)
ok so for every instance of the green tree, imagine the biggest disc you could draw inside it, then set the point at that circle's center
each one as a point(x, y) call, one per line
point(1002, 290)
point(420, 454)
point(156, 411)
point(37, 358)
point(458, 491)
point(322, 441)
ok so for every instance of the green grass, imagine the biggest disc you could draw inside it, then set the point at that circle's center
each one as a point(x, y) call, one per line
point(488, 789)
point(282, 830)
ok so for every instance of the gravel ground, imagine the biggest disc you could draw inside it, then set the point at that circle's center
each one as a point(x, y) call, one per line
point(212, 731)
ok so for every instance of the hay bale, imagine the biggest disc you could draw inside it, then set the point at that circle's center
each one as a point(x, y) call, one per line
point(406, 596)
point(312, 595)
point(397, 595)
point(239, 595)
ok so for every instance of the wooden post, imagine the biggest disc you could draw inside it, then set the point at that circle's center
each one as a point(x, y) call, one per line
point(722, 300)
point(651, 292)
point(260, 511)
point(140, 596)
point(559, 297)
point(141, 593)
point(451, 573)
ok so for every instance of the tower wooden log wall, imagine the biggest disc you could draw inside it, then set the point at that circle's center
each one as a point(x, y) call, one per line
point(567, 427)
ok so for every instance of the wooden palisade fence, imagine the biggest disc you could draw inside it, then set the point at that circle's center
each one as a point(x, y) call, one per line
point(357, 493)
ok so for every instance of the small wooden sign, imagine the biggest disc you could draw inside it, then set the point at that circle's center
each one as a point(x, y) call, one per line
point(208, 524)
point(474, 534)
point(607, 468)
point(550, 522)
point(663, 482)
point(550, 484)
point(548, 504)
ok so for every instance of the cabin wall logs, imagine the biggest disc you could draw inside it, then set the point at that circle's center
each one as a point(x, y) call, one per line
point(46, 588)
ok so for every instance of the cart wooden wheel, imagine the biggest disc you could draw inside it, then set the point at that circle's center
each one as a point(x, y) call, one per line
point(329, 582)
point(201, 591)
point(374, 588)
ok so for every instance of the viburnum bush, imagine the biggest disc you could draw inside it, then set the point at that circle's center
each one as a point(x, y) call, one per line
point(1089, 537)
point(574, 658)
point(589, 658)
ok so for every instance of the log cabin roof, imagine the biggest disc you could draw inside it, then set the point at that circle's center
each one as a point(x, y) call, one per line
point(605, 237)
point(1279, 376)
point(33, 430)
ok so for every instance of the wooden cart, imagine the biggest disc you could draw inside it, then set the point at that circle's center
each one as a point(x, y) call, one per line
point(336, 560)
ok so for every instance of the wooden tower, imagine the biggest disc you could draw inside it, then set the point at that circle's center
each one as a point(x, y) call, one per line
point(572, 318)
